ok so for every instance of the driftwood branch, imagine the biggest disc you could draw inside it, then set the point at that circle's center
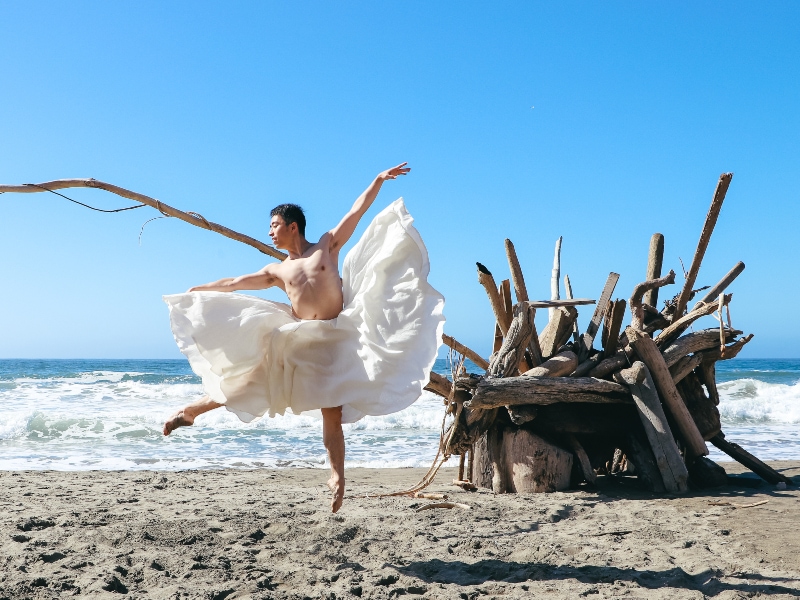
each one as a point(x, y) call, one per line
point(487, 281)
point(702, 244)
point(697, 341)
point(743, 457)
point(165, 209)
point(468, 352)
point(650, 355)
point(587, 339)
point(438, 384)
point(637, 310)
point(556, 275)
point(568, 289)
point(558, 366)
point(723, 283)
point(671, 333)
point(654, 260)
point(668, 457)
point(612, 325)
point(520, 291)
point(492, 393)
point(506, 361)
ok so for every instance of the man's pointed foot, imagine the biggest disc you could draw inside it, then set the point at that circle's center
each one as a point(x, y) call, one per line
point(179, 419)
point(336, 487)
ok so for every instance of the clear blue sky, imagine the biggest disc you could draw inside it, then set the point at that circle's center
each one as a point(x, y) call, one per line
point(601, 122)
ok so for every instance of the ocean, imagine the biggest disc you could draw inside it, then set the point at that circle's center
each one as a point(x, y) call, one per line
point(108, 414)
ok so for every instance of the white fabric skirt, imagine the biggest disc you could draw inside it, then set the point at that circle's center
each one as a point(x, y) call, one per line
point(256, 358)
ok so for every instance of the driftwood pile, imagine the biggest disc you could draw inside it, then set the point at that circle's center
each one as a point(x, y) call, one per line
point(556, 408)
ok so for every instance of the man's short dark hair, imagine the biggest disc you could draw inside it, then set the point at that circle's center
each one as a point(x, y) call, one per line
point(291, 213)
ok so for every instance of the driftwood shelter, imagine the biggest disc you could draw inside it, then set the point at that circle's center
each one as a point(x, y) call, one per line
point(556, 408)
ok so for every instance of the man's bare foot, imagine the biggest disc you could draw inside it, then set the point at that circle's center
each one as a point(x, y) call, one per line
point(336, 487)
point(179, 419)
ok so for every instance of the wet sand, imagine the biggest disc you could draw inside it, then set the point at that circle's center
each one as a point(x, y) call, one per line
point(269, 534)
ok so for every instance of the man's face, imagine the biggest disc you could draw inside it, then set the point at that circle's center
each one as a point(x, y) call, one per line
point(280, 232)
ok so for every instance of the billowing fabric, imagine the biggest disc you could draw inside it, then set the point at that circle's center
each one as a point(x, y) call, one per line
point(256, 358)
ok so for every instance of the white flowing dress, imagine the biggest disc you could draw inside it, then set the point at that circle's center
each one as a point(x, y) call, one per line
point(256, 358)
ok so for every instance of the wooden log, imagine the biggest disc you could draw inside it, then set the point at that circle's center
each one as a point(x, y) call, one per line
point(650, 355)
point(461, 460)
point(612, 326)
point(639, 453)
point(533, 465)
point(667, 456)
point(481, 474)
point(453, 343)
point(685, 366)
point(493, 393)
point(520, 415)
point(746, 459)
point(697, 341)
point(534, 349)
point(568, 289)
point(497, 340)
point(583, 459)
point(587, 339)
point(702, 244)
point(588, 365)
point(722, 284)
point(703, 410)
point(558, 366)
point(609, 365)
point(557, 331)
point(506, 361)
point(705, 473)
point(555, 276)
point(520, 291)
point(505, 298)
point(438, 384)
point(636, 303)
point(731, 350)
point(487, 281)
point(189, 217)
point(708, 370)
point(471, 463)
point(671, 333)
point(655, 258)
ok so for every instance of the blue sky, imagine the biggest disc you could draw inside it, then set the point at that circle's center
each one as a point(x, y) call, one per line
point(601, 122)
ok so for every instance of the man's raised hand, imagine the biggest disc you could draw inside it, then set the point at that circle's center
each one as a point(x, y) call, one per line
point(394, 172)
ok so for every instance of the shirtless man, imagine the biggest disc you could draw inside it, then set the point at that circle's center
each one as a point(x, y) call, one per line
point(310, 278)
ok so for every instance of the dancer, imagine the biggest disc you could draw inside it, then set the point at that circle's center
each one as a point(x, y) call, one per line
point(358, 345)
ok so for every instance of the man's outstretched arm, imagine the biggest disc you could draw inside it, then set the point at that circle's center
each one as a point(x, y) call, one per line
point(342, 232)
point(254, 281)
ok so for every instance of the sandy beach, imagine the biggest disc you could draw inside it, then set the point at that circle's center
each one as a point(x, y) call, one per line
point(269, 534)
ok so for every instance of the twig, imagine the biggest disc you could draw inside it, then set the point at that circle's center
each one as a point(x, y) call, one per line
point(445, 505)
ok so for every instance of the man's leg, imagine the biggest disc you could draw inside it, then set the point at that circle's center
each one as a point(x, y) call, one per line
point(333, 438)
point(187, 414)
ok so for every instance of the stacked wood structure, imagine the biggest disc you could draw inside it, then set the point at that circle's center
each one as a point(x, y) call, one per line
point(556, 408)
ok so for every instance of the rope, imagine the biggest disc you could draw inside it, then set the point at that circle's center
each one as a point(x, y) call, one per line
point(116, 210)
point(442, 454)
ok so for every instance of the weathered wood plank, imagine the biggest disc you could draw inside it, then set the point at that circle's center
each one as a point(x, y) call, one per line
point(697, 341)
point(557, 366)
point(722, 284)
point(655, 258)
point(648, 351)
point(702, 244)
point(492, 393)
point(668, 458)
point(742, 456)
point(587, 339)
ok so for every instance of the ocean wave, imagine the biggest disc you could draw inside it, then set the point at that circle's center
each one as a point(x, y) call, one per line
point(750, 400)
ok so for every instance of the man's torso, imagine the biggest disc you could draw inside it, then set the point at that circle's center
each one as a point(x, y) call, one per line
point(312, 281)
